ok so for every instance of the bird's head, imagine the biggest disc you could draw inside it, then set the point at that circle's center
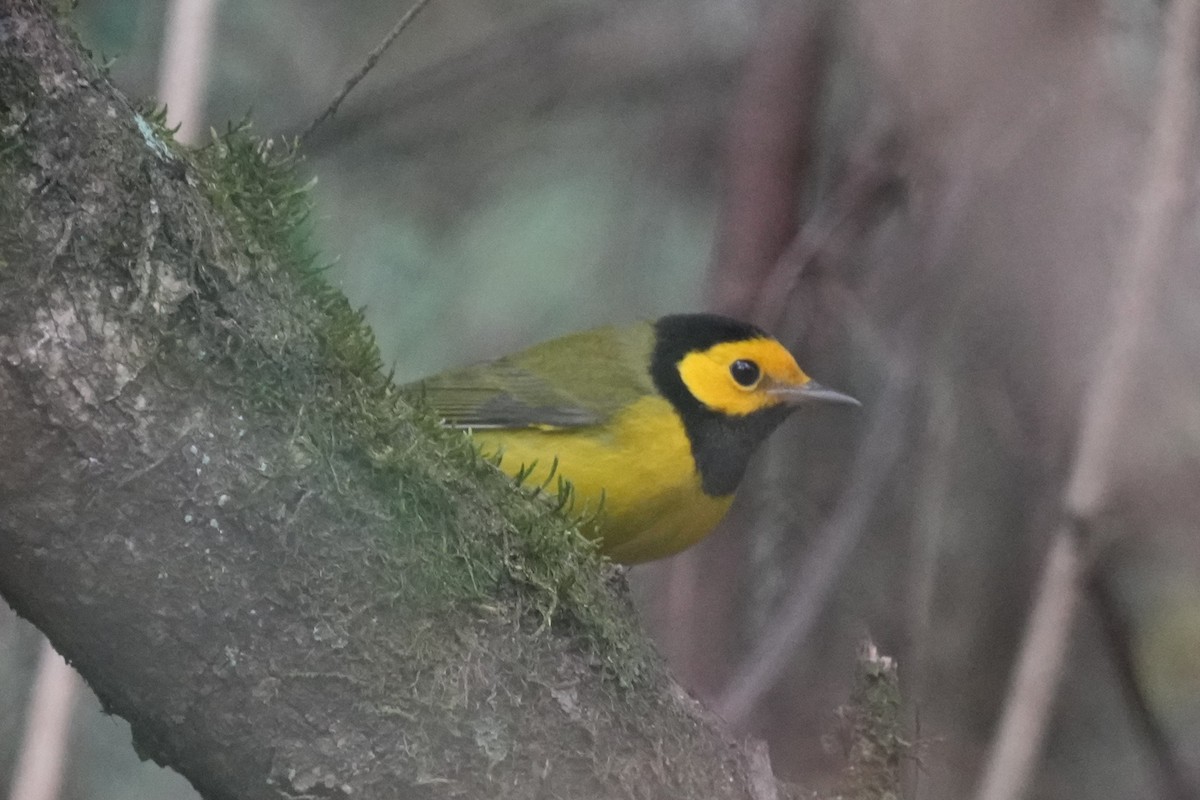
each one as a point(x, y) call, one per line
point(732, 384)
point(731, 367)
point(742, 376)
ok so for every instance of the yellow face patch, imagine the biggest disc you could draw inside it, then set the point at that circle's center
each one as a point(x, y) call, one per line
point(712, 378)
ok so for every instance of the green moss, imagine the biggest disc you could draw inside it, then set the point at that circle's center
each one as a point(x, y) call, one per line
point(873, 731)
point(253, 183)
point(325, 374)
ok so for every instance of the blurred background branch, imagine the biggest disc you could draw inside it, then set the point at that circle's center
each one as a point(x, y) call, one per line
point(1037, 672)
point(43, 755)
point(183, 74)
point(1157, 211)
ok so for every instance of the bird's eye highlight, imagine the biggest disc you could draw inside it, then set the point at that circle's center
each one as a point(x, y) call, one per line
point(745, 372)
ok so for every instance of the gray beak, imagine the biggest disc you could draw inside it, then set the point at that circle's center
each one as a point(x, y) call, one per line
point(796, 395)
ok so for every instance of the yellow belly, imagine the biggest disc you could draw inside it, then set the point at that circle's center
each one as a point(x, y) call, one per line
point(640, 464)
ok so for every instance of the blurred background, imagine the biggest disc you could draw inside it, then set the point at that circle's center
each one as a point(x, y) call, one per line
point(927, 200)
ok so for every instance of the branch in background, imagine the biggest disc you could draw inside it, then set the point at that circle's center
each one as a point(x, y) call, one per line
point(579, 57)
point(869, 182)
point(770, 151)
point(368, 65)
point(42, 759)
point(1037, 673)
point(1157, 210)
point(1039, 667)
point(183, 69)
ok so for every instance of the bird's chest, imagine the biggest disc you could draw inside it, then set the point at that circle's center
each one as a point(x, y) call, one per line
point(638, 469)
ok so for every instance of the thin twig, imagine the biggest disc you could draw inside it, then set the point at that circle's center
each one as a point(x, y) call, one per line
point(1039, 667)
point(786, 633)
point(1036, 677)
point(1172, 774)
point(372, 59)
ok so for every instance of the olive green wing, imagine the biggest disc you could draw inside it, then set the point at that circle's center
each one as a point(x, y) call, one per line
point(571, 382)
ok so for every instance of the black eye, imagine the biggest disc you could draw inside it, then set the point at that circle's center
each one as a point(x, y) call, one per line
point(744, 372)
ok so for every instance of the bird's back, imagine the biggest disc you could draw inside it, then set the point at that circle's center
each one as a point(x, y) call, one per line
point(574, 381)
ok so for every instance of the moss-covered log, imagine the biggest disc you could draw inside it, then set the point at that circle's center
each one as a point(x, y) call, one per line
point(217, 508)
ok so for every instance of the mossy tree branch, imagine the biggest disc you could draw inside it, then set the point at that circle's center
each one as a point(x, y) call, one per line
point(217, 508)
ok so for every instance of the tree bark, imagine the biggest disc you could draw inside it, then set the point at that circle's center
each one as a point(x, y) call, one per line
point(279, 604)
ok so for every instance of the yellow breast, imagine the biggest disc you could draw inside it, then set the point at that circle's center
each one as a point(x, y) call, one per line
point(640, 463)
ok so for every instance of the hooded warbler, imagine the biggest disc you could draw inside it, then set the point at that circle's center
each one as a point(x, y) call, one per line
point(652, 424)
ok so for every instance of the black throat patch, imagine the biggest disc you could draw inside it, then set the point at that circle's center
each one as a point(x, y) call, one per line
point(721, 444)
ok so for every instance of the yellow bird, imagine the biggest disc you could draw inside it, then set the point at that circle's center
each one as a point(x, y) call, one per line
point(652, 424)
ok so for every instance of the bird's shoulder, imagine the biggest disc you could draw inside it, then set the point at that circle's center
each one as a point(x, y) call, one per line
point(577, 380)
